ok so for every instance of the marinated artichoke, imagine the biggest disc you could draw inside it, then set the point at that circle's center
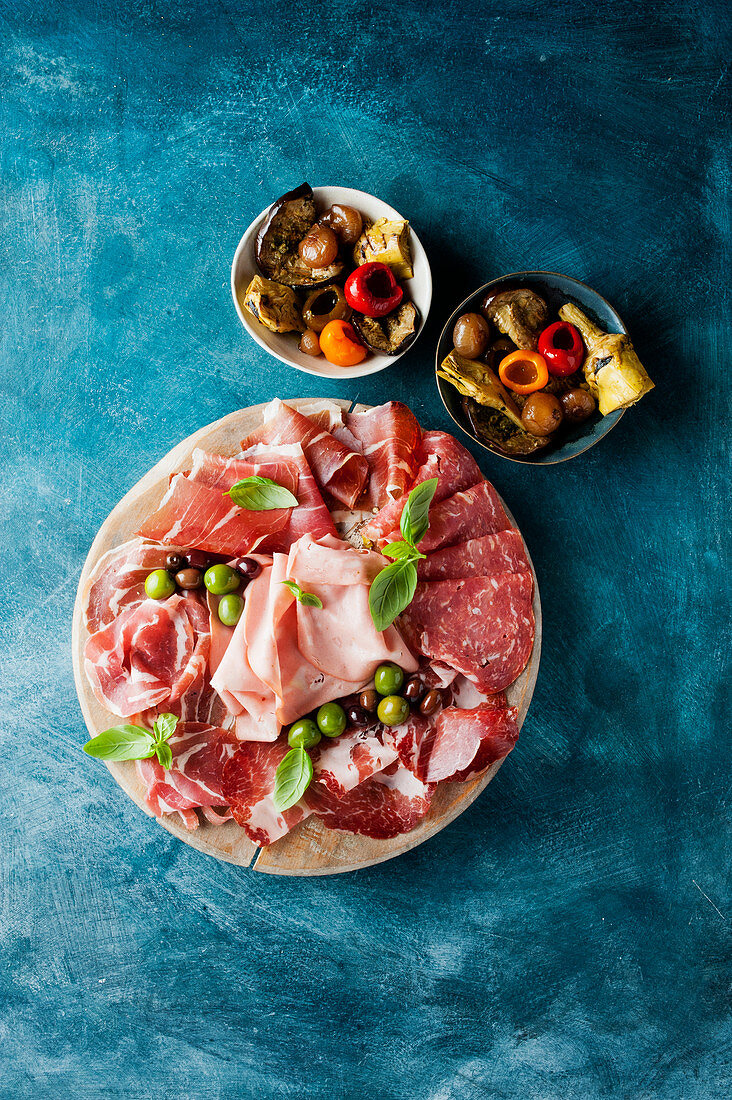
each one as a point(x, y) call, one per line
point(386, 242)
point(519, 314)
point(613, 371)
point(275, 306)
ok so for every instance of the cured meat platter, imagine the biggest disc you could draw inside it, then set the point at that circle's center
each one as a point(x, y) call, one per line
point(309, 848)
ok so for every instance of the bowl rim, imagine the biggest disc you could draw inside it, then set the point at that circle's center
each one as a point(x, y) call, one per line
point(345, 194)
point(524, 460)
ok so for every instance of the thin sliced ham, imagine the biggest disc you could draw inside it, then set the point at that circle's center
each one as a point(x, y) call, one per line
point(311, 515)
point(443, 458)
point(338, 470)
point(219, 472)
point(390, 803)
point(389, 437)
point(195, 777)
point(248, 783)
point(118, 581)
point(481, 626)
point(500, 553)
point(149, 656)
point(343, 763)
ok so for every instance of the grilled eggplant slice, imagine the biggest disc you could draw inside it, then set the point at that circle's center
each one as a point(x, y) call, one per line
point(275, 306)
point(287, 222)
point(389, 335)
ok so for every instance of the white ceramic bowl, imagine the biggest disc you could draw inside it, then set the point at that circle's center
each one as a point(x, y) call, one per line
point(284, 345)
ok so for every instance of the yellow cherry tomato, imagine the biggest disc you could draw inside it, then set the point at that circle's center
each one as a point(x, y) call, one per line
point(523, 371)
point(340, 345)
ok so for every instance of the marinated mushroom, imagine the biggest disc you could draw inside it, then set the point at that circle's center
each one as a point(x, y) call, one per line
point(389, 335)
point(326, 304)
point(519, 314)
point(275, 306)
point(613, 371)
point(288, 222)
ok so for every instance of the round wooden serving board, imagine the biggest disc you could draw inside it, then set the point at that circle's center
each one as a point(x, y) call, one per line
point(310, 849)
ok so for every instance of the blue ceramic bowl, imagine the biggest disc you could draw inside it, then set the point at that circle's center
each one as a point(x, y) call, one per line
point(555, 290)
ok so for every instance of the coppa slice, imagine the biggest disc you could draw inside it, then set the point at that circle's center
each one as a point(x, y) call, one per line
point(443, 458)
point(456, 743)
point(343, 763)
point(500, 553)
point(338, 470)
point(150, 655)
point(481, 626)
point(311, 515)
point(195, 777)
point(118, 581)
point(389, 436)
point(386, 805)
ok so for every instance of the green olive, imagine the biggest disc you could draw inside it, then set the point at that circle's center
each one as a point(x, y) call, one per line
point(393, 710)
point(230, 609)
point(220, 579)
point(303, 733)
point(331, 719)
point(388, 679)
point(159, 584)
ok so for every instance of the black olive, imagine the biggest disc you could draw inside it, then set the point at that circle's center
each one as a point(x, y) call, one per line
point(414, 689)
point(248, 567)
point(189, 578)
point(357, 716)
point(369, 700)
point(431, 702)
point(198, 559)
point(174, 562)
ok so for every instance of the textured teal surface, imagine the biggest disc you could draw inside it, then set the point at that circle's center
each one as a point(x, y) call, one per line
point(569, 936)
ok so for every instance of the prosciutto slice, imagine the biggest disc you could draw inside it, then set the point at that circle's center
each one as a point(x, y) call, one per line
point(341, 764)
point(443, 458)
point(500, 553)
point(311, 515)
point(118, 581)
point(219, 472)
point(481, 626)
point(457, 743)
point(340, 471)
point(195, 777)
point(149, 656)
point(386, 805)
point(389, 437)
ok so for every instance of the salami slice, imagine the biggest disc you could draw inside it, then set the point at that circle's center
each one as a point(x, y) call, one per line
point(500, 553)
point(386, 805)
point(481, 626)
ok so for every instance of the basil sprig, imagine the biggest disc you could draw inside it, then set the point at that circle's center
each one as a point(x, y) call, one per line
point(307, 599)
point(393, 588)
point(261, 494)
point(292, 778)
point(128, 742)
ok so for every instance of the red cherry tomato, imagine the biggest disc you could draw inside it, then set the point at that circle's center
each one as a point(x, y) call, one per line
point(562, 347)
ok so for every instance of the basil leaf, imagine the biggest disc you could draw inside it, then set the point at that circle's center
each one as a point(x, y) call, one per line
point(391, 591)
point(415, 516)
point(121, 743)
point(164, 754)
point(261, 494)
point(307, 599)
point(292, 778)
point(164, 727)
point(398, 550)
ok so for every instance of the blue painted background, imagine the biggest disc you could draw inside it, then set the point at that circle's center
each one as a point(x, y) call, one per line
point(569, 936)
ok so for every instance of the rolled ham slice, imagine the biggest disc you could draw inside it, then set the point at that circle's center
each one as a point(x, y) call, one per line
point(338, 470)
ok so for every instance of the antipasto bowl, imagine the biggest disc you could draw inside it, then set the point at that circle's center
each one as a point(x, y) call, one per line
point(114, 591)
point(537, 367)
point(284, 345)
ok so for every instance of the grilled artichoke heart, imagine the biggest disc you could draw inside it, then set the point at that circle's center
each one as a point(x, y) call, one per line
point(386, 242)
point(287, 222)
point(614, 373)
point(491, 410)
point(519, 314)
point(389, 335)
point(275, 306)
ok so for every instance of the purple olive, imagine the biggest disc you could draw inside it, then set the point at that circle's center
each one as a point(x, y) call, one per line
point(248, 567)
point(357, 716)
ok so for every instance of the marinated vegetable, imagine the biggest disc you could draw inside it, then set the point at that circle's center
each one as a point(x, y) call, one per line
point(340, 344)
point(326, 304)
point(523, 371)
point(309, 343)
point(519, 314)
point(542, 414)
point(613, 371)
point(345, 221)
point(471, 335)
point(275, 306)
point(372, 290)
point(577, 404)
point(391, 335)
point(562, 348)
point(319, 247)
point(278, 241)
point(387, 242)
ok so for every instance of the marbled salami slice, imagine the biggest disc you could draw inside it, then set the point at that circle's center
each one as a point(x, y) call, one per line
point(386, 805)
point(500, 553)
point(481, 626)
